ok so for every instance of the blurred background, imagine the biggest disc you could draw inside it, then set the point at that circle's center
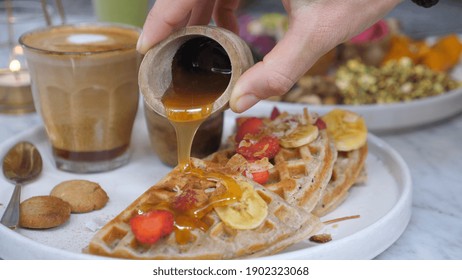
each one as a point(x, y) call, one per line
point(406, 32)
point(416, 21)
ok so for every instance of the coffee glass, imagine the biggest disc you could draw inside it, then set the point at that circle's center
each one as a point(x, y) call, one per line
point(85, 87)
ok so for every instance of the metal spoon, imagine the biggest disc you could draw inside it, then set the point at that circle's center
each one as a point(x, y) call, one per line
point(22, 163)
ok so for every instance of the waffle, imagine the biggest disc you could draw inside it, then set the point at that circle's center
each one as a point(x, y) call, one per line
point(348, 170)
point(299, 175)
point(284, 225)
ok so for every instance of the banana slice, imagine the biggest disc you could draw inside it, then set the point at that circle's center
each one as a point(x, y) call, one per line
point(248, 213)
point(348, 129)
point(302, 135)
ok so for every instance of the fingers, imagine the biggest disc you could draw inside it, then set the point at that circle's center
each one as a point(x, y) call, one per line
point(164, 18)
point(315, 28)
point(202, 12)
point(276, 74)
point(224, 14)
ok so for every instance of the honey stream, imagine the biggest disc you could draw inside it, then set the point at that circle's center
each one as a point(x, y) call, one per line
point(201, 72)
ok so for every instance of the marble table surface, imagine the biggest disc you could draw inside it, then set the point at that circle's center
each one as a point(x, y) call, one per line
point(434, 156)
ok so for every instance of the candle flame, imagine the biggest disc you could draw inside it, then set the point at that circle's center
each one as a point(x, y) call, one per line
point(15, 65)
point(18, 50)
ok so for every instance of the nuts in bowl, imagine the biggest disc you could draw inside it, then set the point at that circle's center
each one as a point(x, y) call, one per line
point(356, 83)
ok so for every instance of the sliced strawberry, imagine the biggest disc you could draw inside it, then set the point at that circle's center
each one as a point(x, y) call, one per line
point(240, 120)
point(261, 177)
point(185, 201)
point(250, 126)
point(275, 113)
point(268, 146)
point(149, 227)
point(320, 124)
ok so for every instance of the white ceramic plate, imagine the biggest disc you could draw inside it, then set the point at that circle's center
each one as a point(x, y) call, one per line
point(386, 118)
point(384, 204)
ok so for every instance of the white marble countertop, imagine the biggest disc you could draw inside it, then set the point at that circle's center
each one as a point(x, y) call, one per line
point(434, 156)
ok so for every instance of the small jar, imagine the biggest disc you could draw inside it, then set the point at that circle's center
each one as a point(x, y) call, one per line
point(155, 77)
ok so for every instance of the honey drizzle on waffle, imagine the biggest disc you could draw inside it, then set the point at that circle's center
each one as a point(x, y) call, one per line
point(186, 221)
point(233, 190)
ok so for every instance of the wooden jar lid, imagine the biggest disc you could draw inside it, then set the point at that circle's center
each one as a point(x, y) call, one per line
point(155, 73)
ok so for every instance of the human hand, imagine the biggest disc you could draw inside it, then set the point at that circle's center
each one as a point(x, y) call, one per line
point(166, 16)
point(315, 27)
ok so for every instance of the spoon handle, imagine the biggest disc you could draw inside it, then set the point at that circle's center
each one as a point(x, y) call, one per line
point(10, 217)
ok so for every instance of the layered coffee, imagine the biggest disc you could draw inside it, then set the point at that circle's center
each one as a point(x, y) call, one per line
point(84, 81)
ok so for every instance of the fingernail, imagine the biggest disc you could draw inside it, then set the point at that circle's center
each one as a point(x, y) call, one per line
point(139, 44)
point(244, 102)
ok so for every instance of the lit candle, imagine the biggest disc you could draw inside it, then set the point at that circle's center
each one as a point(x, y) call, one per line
point(14, 77)
point(15, 91)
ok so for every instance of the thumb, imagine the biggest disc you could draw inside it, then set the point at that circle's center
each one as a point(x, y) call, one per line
point(276, 74)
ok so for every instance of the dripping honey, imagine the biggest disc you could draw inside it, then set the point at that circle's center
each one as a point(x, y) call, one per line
point(201, 71)
point(192, 219)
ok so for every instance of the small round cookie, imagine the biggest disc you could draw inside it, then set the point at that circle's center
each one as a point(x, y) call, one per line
point(41, 212)
point(83, 196)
